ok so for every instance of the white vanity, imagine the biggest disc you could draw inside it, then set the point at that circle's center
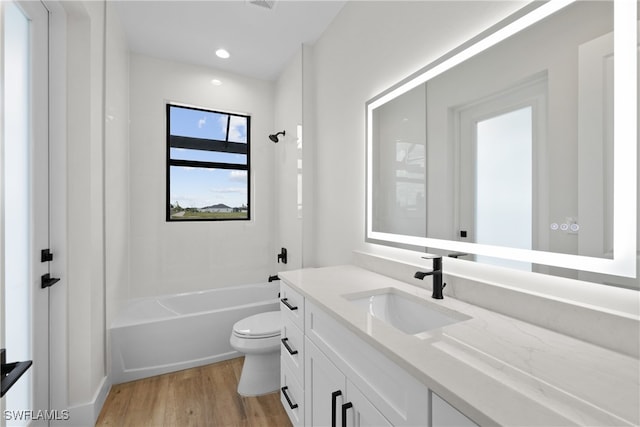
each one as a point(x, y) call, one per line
point(344, 363)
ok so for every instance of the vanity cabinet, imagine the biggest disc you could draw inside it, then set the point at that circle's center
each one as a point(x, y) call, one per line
point(331, 377)
point(331, 399)
point(292, 354)
point(398, 397)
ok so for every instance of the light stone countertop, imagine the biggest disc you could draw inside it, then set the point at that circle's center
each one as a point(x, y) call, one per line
point(491, 367)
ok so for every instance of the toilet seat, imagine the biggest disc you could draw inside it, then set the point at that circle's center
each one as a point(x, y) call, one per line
point(259, 326)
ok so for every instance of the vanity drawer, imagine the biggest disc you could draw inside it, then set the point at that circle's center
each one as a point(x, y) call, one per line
point(292, 305)
point(292, 348)
point(291, 395)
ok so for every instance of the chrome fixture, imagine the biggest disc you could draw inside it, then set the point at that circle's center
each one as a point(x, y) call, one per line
point(274, 136)
point(436, 272)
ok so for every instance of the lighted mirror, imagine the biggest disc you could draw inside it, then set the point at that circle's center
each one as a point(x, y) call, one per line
point(508, 148)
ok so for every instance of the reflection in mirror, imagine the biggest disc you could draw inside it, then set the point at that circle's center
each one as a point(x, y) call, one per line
point(399, 150)
point(511, 148)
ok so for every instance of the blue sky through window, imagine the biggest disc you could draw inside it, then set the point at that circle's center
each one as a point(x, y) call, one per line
point(207, 124)
point(202, 187)
point(195, 187)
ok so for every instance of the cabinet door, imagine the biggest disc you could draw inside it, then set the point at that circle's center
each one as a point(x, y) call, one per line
point(362, 413)
point(322, 380)
point(393, 391)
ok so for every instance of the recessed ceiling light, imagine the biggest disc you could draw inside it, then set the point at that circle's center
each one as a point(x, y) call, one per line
point(222, 53)
point(216, 82)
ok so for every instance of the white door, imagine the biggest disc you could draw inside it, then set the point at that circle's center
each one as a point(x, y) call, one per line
point(325, 390)
point(499, 198)
point(360, 412)
point(24, 206)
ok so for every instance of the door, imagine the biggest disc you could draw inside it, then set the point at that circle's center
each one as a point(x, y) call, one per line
point(331, 399)
point(24, 206)
point(324, 388)
point(359, 412)
point(500, 141)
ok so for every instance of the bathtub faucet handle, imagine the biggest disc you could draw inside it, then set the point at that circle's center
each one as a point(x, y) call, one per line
point(282, 256)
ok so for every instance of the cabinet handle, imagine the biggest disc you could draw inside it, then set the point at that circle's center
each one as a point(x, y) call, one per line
point(289, 306)
point(334, 397)
point(289, 349)
point(286, 396)
point(345, 408)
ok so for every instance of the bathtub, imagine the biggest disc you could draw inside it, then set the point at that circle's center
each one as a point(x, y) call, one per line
point(153, 336)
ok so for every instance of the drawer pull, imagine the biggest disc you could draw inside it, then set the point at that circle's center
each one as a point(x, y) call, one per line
point(345, 408)
point(286, 396)
point(334, 397)
point(289, 306)
point(289, 349)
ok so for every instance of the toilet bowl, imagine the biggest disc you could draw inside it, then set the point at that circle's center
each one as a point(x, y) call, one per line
point(258, 338)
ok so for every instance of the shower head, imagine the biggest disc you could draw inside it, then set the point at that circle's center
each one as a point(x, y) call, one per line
point(274, 137)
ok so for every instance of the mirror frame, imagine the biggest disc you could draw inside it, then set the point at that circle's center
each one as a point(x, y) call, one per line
point(625, 224)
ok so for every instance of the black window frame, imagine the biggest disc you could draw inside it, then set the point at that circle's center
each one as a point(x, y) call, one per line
point(225, 146)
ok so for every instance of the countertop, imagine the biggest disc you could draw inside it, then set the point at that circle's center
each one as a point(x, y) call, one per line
point(495, 369)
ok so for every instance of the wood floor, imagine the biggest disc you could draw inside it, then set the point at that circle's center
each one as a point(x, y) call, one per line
point(204, 396)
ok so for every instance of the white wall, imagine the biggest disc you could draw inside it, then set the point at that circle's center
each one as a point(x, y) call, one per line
point(369, 47)
point(116, 162)
point(85, 220)
point(173, 257)
point(287, 153)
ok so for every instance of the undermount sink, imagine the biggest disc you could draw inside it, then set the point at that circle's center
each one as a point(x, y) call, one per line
point(403, 311)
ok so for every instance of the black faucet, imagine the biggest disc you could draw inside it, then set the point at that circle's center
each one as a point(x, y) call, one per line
point(436, 272)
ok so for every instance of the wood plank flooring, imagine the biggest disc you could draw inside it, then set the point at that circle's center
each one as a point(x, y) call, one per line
point(204, 396)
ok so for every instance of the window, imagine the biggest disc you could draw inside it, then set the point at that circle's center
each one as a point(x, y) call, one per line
point(207, 165)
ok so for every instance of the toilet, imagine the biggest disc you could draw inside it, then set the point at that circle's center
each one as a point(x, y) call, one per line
point(258, 338)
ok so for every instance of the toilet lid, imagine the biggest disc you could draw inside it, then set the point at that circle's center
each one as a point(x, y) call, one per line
point(262, 325)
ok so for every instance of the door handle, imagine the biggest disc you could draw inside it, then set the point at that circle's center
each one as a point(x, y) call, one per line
point(345, 408)
point(334, 397)
point(289, 306)
point(286, 396)
point(11, 372)
point(288, 347)
point(46, 281)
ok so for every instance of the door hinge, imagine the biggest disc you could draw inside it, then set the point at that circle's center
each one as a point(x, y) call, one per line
point(46, 255)
point(48, 281)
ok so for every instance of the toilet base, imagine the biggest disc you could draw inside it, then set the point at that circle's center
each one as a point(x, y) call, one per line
point(260, 374)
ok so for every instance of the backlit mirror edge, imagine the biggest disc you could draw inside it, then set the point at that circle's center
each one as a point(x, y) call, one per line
point(625, 152)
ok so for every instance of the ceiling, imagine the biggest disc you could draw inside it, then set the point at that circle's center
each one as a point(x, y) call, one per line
point(261, 40)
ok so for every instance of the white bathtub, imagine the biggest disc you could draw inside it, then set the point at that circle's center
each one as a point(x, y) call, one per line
point(153, 336)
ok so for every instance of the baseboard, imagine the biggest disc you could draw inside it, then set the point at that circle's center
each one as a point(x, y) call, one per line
point(87, 414)
point(120, 375)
